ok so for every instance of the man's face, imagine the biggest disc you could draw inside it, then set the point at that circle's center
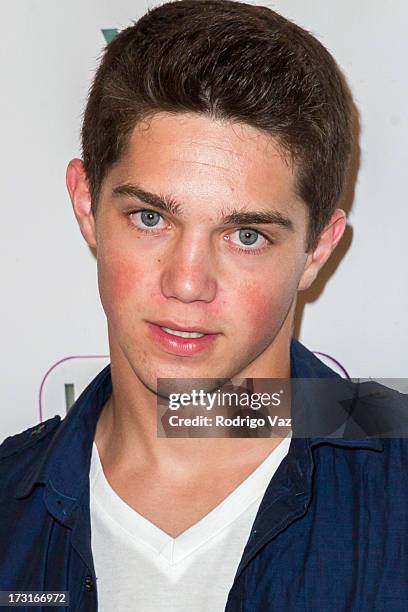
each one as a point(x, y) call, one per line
point(197, 265)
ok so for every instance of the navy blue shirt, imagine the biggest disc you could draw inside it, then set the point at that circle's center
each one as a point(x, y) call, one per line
point(331, 533)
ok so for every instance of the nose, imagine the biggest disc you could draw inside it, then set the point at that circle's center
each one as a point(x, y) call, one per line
point(189, 273)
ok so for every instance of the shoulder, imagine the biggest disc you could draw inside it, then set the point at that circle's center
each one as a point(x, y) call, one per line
point(381, 410)
point(32, 439)
point(374, 442)
point(21, 452)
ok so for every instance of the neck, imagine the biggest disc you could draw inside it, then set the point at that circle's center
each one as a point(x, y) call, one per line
point(126, 432)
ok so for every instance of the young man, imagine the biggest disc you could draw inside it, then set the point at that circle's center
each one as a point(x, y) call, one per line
point(216, 140)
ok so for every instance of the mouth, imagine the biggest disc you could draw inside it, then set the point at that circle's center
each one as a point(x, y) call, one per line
point(184, 340)
point(174, 327)
point(182, 334)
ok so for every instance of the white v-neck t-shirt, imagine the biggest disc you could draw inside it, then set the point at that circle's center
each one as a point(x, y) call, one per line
point(141, 568)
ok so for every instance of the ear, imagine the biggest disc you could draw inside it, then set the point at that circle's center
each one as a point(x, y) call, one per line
point(77, 184)
point(329, 238)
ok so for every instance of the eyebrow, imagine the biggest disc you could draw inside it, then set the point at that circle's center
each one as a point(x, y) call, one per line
point(232, 217)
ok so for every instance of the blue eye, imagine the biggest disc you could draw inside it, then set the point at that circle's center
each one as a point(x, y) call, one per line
point(248, 237)
point(248, 240)
point(147, 221)
point(150, 218)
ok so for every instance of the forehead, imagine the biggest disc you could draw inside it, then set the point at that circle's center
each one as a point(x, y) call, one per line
point(195, 157)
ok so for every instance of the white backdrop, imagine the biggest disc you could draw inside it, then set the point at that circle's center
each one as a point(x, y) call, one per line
point(50, 306)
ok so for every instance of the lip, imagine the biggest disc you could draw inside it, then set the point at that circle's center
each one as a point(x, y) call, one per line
point(181, 346)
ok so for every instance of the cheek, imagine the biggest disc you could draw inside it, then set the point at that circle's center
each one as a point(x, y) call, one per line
point(119, 279)
point(263, 306)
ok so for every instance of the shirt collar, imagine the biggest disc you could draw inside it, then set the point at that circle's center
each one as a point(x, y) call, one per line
point(64, 467)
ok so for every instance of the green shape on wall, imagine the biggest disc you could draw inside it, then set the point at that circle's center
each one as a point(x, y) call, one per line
point(69, 395)
point(109, 35)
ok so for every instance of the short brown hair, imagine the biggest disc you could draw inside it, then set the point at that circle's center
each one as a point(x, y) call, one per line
point(232, 61)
